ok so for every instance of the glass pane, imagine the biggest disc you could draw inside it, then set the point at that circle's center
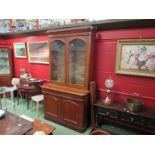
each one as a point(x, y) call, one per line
point(3, 53)
point(77, 49)
point(4, 62)
point(58, 54)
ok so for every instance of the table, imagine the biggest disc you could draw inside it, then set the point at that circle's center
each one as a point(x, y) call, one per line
point(117, 113)
point(28, 91)
point(38, 125)
point(14, 125)
point(32, 81)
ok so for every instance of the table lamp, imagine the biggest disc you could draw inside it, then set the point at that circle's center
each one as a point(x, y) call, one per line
point(22, 71)
point(109, 83)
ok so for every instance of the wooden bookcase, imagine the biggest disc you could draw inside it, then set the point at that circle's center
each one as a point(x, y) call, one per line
point(6, 66)
point(67, 94)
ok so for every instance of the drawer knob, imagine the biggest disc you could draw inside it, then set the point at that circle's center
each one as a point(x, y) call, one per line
point(131, 119)
point(107, 113)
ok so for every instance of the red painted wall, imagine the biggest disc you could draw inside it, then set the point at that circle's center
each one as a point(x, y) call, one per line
point(105, 57)
point(36, 70)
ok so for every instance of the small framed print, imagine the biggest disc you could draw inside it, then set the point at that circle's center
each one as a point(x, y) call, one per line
point(20, 50)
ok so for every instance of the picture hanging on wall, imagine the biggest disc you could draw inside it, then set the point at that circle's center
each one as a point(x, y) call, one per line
point(20, 50)
point(38, 52)
point(136, 57)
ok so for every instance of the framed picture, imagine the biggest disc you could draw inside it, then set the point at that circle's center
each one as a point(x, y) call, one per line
point(20, 50)
point(38, 52)
point(4, 25)
point(136, 57)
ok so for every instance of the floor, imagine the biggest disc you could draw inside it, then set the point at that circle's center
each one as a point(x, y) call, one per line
point(21, 109)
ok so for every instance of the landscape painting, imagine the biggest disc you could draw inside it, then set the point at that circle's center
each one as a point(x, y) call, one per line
point(20, 50)
point(38, 52)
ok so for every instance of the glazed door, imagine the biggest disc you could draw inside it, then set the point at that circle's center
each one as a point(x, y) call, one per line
point(77, 58)
point(6, 66)
point(57, 56)
point(4, 62)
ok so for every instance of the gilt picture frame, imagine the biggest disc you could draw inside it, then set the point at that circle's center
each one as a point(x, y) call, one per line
point(136, 57)
point(20, 50)
point(38, 52)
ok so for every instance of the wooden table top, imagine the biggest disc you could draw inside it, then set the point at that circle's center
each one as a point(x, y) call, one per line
point(38, 125)
point(14, 125)
point(26, 87)
point(29, 88)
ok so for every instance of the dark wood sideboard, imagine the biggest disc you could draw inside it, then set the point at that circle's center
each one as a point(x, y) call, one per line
point(116, 113)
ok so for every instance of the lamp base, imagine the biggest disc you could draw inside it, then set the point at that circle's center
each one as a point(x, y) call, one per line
point(107, 101)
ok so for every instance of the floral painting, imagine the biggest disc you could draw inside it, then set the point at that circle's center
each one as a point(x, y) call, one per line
point(136, 57)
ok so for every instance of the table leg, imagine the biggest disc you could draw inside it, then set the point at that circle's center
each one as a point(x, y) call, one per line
point(100, 120)
point(27, 98)
point(28, 104)
point(18, 97)
point(0, 104)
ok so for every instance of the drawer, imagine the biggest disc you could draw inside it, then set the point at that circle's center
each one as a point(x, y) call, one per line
point(151, 124)
point(133, 119)
point(140, 121)
point(126, 117)
point(108, 112)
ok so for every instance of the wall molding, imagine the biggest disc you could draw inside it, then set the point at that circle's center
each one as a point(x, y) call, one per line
point(130, 95)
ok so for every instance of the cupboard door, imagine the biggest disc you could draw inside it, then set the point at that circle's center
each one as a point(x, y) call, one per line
point(71, 112)
point(58, 61)
point(77, 62)
point(52, 104)
point(5, 81)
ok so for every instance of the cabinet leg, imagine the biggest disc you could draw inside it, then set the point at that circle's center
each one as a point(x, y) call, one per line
point(18, 97)
point(100, 120)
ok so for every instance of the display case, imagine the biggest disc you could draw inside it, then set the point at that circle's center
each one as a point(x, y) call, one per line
point(67, 93)
point(6, 66)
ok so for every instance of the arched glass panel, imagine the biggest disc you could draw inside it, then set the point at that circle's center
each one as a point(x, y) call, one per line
point(77, 55)
point(4, 61)
point(58, 56)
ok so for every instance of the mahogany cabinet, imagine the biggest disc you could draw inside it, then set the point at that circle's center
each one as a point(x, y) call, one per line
point(6, 66)
point(65, 106)
point(67, 93)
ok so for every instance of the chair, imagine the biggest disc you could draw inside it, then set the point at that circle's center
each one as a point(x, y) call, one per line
point(37, 99)
point(14, 82)
point(95, 130)
point(5, 103)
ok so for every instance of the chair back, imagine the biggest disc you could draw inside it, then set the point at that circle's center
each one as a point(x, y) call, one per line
point(92, 101)
point(15, 81)
point(94, 131)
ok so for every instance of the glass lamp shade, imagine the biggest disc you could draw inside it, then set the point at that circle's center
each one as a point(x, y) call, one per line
point(109, 83)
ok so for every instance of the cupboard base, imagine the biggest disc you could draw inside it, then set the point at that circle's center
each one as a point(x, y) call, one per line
point(66, 106)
